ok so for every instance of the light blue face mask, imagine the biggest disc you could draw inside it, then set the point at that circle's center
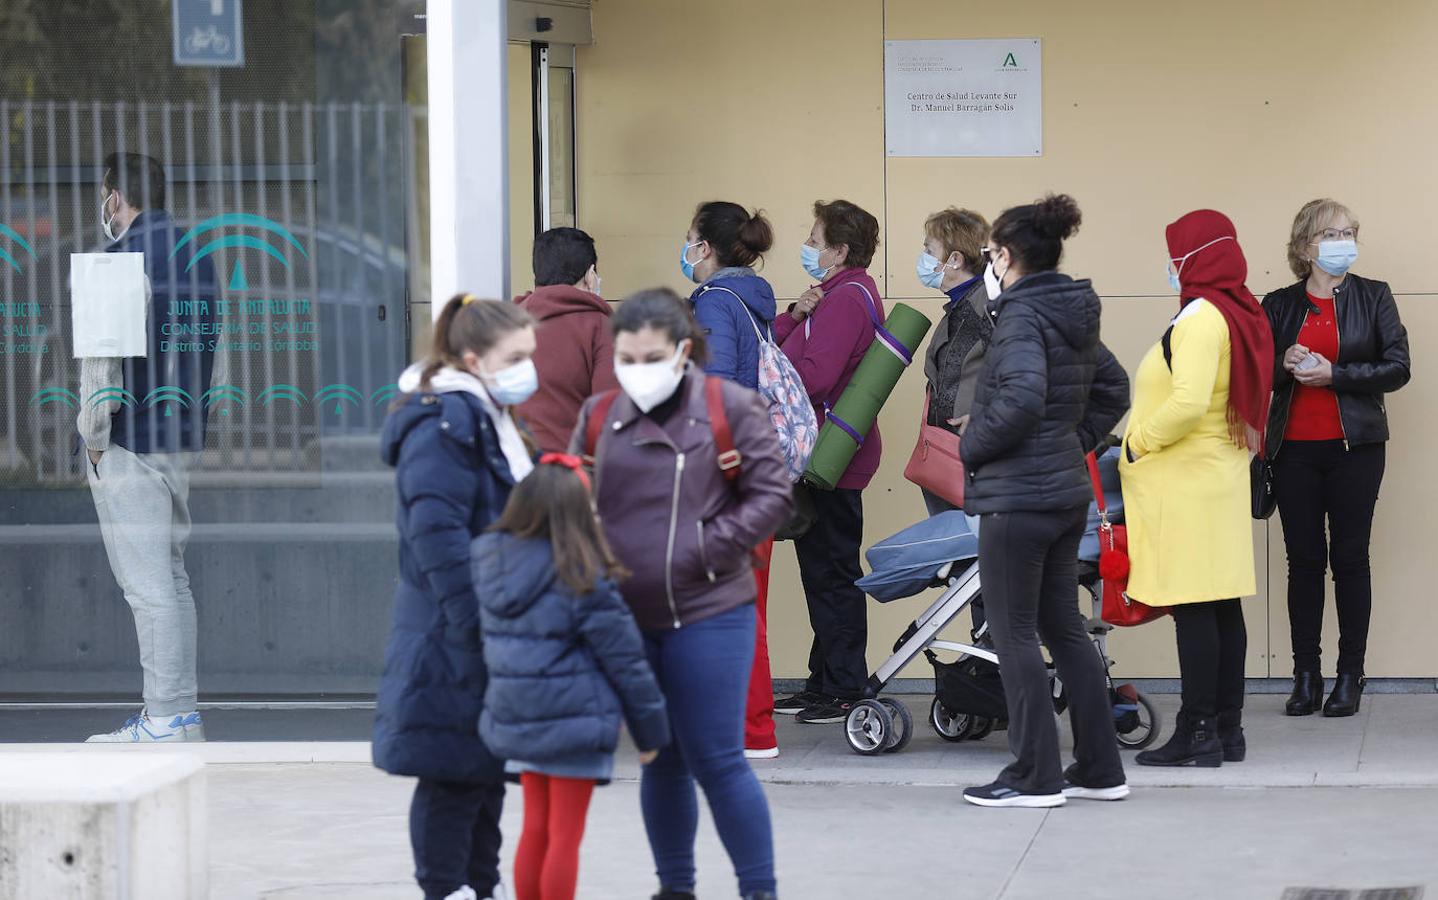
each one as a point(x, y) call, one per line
point(685, 265)
point(930, 270)
point(513, 385)
point(1172, 278)
point(809, 257)
point(1335, 257)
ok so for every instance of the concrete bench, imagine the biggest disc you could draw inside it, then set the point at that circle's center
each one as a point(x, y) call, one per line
point(108, 825)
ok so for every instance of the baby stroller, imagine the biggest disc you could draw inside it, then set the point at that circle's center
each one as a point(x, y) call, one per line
point(968, 699)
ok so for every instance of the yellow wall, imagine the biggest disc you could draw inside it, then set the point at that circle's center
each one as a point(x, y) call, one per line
point(1248, 108)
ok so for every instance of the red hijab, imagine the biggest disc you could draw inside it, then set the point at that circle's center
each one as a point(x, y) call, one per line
point(1214, 269)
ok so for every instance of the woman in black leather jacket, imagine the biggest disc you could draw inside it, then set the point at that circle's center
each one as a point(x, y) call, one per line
point(1339, 347)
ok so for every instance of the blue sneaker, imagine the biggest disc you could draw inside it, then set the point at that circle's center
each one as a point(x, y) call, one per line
point(145, 729)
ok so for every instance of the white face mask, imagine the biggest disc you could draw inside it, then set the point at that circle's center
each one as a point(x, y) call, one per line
point(107, 222)
point(993, 284)
point(650, 384)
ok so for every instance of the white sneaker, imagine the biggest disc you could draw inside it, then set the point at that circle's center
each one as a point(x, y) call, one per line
point(769, 753)
point(464, 893)
point(1079, 792)
point(143, 729)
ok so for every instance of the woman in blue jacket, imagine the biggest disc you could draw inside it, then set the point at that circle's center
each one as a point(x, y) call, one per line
point(734, 307)
point(566, 666)
point(457, 453)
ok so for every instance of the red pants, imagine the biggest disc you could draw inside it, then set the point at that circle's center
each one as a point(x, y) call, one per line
point(546, 864)
point(759, 717)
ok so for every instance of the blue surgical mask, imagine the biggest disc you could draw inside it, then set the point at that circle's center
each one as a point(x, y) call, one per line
point(1334, 257)
point(809, 257)
point(685, 265)
point(1172, 278)
point(513, 385)
point(930, 270)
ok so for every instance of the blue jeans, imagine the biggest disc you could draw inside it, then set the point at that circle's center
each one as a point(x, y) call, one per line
point(703, 670)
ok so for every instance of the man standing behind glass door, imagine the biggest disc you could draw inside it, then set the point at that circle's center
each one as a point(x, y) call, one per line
point(139, 448)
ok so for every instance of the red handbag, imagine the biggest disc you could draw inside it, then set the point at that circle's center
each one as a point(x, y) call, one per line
point(935, 465)
point(1113, 565)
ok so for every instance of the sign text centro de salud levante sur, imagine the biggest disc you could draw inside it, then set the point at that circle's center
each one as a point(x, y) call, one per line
point(964, 98)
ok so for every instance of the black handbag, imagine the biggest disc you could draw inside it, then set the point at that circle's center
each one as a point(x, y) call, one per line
point(1260, 481)
point(802, 519)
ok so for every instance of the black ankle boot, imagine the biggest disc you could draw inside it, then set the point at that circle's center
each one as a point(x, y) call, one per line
point(666, 894)
point(762, 895)
point(1307, 694)
point(1346, 697)
point(1230, 735)
point(1194, 743)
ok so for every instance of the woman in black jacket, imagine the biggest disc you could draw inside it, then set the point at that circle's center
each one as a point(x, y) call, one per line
point(1339, 347)
point(1049, 392)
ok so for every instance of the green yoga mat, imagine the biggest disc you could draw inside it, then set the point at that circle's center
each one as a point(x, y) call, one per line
point(853, 415)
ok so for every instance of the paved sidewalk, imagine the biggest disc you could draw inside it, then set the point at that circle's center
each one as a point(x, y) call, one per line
point(1321, 803)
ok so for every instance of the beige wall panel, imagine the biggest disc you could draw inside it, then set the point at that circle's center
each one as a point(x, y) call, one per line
point(1148, 114)
point(771, 105)
point(521, 169)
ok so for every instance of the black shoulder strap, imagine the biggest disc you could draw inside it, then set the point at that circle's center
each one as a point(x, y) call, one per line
point(1168, 348)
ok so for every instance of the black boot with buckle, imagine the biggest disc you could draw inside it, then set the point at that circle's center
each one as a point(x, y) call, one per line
point(1346, 697)
point(1194, 743)
point(1307, 694)
point(1230, 735)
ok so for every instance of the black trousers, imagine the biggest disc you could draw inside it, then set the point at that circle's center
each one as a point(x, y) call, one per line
point(1326, 497)
point(454, 831)
point(1028, 563)
point(1212, 641)
point(838, 612)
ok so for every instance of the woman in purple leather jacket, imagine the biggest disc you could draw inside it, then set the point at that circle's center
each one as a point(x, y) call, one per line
point(685, 525)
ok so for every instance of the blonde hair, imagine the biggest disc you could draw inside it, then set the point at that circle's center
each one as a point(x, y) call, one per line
point(959, 229)
point(1311, 219)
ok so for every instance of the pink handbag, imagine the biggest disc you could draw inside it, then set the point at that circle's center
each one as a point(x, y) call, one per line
point(935, 465)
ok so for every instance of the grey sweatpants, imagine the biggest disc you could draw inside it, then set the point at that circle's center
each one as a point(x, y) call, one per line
point(143, 504)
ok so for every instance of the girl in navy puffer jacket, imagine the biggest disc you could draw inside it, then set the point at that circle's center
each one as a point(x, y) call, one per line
point(566, 666)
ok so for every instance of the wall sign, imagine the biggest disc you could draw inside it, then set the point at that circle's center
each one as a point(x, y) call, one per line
point(964, 98)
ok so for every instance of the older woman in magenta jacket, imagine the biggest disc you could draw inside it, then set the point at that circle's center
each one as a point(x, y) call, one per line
point(825, 335)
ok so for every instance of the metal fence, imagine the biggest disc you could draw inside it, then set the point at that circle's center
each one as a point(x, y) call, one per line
point(312, 208)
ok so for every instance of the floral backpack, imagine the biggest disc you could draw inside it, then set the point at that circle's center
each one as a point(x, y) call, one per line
point(782, 391)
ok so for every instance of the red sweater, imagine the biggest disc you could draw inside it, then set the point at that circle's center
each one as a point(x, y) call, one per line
point(827, 352)
point(575, 360)
point(1313, 415)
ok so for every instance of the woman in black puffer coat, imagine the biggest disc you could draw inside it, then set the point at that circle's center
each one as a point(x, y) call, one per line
point(1049, 392)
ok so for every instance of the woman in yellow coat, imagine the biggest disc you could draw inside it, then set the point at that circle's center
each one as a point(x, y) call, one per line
point(1200, 404)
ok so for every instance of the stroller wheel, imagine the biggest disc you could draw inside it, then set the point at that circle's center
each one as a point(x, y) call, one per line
point(903, 725)
point(1144, 725)
point(982, 728)
point(950, 726)
point(869, 728)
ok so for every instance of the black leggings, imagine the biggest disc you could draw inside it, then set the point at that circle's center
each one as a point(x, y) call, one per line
point(1326, 496)
point(1212, 642)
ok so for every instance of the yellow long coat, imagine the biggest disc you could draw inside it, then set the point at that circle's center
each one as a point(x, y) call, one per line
point(1186, 498)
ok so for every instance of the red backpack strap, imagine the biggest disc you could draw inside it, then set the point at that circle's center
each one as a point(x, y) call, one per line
point(592, 428)
point(1098, 497)
point(730, 460)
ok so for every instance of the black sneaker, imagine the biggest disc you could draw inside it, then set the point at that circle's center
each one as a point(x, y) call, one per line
point(797, 703)
point(1076, 789)
point(666, 894)
point(826, 711)
point(996, 795)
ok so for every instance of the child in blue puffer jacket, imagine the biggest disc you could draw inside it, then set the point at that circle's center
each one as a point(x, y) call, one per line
point(566, 666)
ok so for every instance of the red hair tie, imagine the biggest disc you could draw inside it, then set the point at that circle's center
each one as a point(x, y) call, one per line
point(568, 461)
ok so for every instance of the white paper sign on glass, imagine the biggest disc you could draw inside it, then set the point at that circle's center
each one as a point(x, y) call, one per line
point(107, 304)
point(964, 98)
